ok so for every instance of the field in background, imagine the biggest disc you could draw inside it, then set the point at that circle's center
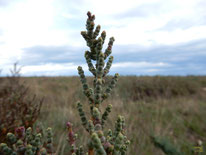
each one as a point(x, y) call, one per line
point(169, 107)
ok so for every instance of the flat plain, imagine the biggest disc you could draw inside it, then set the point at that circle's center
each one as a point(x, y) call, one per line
point(169, 107)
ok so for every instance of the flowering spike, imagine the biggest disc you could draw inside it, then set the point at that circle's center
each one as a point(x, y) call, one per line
point(106, 94)
point(89, 62)
point(49, 145)
point(108, 51)
point(103, 35)
point(82, 115)
point(106, 113)
point(28, 144)
point(108, 66)
point(97, 145)
point(96, 32)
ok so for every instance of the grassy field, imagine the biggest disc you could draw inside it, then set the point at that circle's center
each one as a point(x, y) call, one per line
point(173, 108)
point(169, 107)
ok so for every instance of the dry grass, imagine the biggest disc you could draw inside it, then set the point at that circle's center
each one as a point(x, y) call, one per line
point(172, 107)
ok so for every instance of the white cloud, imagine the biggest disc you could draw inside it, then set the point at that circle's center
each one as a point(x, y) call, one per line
point(152, 70)
point(146, 30)
point(179, 35)
point(51, 69)
point(29, 23)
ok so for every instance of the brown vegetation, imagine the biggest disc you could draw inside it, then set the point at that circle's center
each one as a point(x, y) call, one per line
point(178, 116)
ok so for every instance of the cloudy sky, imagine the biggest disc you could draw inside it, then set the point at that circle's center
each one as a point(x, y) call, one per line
point(152, 37)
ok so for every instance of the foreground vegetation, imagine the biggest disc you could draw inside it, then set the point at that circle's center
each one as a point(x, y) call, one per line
point(174, 109)
point(163, 112)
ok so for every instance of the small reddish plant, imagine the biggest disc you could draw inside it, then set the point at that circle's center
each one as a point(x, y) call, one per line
point(17, 106)
point(27, 142)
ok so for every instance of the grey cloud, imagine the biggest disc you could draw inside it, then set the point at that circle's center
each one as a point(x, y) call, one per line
point(183, 59)
point(51, 54)
point(186, 58)
point(170, 53)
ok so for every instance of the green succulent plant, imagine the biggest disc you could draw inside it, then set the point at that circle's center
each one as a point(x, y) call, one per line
point(27, 143)
point(99, 142)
